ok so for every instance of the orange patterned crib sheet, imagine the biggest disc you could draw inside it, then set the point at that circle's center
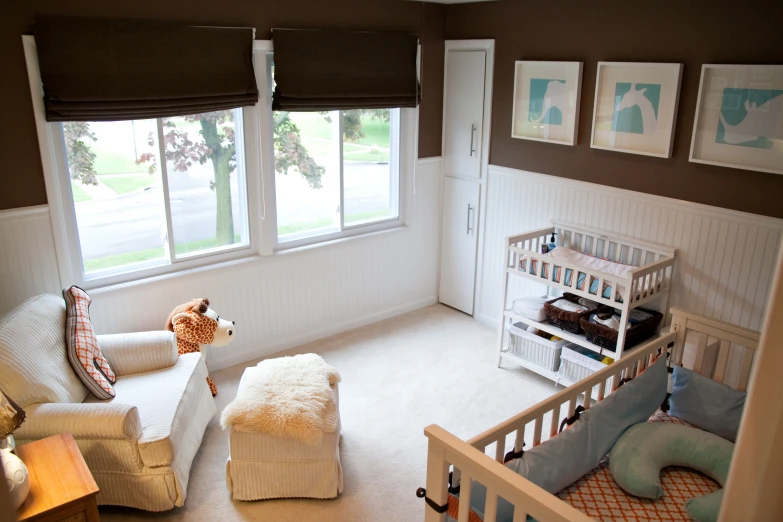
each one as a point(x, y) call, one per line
point(598, 495)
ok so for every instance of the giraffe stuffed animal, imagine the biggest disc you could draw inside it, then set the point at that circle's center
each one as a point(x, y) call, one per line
point(196, 324)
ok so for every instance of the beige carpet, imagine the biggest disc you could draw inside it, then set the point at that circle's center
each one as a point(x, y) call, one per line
point(434, 365)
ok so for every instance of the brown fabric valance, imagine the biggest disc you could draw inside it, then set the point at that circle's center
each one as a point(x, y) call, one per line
point(107, 70)
point(327, 70)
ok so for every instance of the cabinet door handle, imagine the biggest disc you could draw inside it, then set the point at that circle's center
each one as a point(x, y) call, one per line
point(472, 132)
point(470, 229)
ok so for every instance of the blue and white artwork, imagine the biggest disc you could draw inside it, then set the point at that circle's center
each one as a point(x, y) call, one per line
point(548, 101)
point(750, 117)
point(636, 107)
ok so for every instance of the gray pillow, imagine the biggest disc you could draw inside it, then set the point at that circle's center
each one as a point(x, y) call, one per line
point(707, 404)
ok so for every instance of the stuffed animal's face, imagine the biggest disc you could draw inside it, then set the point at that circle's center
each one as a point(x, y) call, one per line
point(203, 328)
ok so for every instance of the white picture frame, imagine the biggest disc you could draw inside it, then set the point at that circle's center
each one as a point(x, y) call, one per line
point(739, 117)
point(546, 101)
point(635, 109)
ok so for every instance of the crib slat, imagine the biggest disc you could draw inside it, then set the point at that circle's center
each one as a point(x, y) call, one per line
point(537, 428)
point(601, 390)
point(519, 515)
point(587, 393)
point(723, 359)
point(744, 376)
point(519, 441)
point(701, 348)
point(553, 425)
point(571, 407)
point(464, 499)
point(491, 507)
point(500, 449)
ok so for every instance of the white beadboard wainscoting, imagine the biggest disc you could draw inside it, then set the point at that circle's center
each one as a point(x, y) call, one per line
point(725, 259)
point(277, 301)
point(28, 265)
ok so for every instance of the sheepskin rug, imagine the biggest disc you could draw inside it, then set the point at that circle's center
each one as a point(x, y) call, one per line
point(289, 397)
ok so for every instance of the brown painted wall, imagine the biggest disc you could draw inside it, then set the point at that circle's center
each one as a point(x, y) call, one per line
point(21, 168)
point(692, 32)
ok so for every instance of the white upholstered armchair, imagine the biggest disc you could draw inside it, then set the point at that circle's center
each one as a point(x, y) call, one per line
point(139, 445)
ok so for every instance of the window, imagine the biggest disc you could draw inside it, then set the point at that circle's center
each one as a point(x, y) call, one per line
point(336, 172)
point(153, 193)
point(135, 199)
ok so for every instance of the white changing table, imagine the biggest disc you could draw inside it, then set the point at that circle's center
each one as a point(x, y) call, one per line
point(649, 284)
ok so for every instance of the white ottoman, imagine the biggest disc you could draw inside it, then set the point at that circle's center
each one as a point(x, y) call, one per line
point(264, 466)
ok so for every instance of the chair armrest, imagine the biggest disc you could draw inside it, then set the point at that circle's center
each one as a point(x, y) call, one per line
point(82, 420)
point(140, 352)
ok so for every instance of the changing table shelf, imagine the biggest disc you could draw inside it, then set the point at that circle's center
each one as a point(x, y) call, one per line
point(579, 339)
point(648, 282)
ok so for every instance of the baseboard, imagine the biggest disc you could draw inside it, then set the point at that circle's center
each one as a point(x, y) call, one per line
point(235, 358)
point(487, 320)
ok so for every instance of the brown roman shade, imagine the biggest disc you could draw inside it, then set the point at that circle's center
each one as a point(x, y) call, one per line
point(328, 70)
point(108, 70)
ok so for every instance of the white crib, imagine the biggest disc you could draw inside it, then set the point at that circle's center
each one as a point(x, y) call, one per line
point(651, 280)
point(471, 463)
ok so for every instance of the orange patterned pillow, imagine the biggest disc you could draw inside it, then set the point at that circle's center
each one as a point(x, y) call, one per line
point(83, 351)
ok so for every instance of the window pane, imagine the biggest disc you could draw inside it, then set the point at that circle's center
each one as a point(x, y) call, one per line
point(118, 202)
point(206, 181)
point(370, 180)
point(307, 174)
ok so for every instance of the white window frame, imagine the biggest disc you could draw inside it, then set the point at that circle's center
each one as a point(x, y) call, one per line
point(62, 209)
point(405, 162)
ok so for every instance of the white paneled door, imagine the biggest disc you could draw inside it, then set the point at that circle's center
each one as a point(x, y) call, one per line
point(458, 246)
point(463, 113)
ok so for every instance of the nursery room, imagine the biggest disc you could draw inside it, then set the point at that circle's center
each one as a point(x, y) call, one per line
point(365, 260)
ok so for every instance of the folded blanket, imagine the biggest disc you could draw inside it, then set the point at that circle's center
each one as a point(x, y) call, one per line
point(568, 306)
point(289, 397)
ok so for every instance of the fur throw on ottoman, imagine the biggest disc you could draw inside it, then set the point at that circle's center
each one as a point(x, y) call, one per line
point(290, 397)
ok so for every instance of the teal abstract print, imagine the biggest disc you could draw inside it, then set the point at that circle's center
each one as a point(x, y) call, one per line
point(636, 107)
point(548, 100)
point(750, 117)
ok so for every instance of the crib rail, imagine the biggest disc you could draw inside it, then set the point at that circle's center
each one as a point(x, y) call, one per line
point(445, 451)
point(527, 498)
point(563, 404)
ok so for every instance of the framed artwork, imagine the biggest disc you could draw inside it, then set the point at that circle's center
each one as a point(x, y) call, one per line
point(636, 107)
point(739, 117)
point(546, 101)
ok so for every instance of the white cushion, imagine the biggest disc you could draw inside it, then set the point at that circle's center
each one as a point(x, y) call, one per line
point(165, 399)
point(34, 363)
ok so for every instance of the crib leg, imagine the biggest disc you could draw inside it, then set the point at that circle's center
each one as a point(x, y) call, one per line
point(437, 483)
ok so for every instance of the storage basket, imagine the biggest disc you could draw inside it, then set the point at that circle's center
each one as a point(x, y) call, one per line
point(575, 366)
point(533, 348)
point(606, 337)
point(569, 321)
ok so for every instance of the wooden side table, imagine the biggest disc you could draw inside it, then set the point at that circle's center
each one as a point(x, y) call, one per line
point(61, 486)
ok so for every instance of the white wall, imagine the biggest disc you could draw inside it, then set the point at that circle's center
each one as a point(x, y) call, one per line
point(278, 301)
point(725, 258)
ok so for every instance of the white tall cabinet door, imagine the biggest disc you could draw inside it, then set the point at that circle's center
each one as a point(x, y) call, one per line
point(458, 244)
point(463, 113)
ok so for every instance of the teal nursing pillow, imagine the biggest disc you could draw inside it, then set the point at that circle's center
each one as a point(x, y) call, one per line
point(639, 455)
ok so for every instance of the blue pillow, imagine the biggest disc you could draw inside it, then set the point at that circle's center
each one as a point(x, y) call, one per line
point(559, 462)
point(708, 404)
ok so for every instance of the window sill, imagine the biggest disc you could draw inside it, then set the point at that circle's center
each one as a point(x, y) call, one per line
point(242, 261)
point(331, 242)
